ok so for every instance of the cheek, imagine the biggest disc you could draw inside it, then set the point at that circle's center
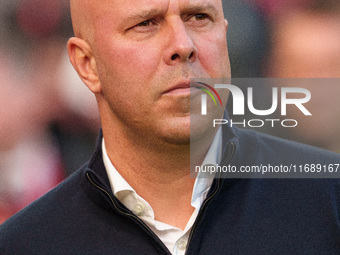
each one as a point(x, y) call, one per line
point(126, 66)
point(132, 60)
point(213, 55)
point(126, 75)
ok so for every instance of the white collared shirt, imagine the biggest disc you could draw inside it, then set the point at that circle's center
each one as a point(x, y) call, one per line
point(175, 239)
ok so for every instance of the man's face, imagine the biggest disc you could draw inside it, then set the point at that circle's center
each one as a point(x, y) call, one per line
point(146, 51)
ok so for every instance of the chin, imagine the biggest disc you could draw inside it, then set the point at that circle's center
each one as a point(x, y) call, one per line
point(177, 132)
point(177, 140)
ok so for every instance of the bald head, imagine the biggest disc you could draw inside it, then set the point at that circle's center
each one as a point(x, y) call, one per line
point(82, 18)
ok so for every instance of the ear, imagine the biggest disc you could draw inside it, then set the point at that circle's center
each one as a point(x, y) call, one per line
point(226, 23)
point(83, 61)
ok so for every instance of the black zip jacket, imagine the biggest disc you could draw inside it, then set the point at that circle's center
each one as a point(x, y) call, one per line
point(239, 216)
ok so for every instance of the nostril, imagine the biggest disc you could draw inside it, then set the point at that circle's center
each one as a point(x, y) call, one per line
point(174, 56)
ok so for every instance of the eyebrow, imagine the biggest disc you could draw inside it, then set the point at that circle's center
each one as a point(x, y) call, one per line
point(201, 7)
point(142, 15)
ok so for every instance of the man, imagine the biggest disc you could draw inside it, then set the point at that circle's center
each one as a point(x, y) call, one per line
point(136, 195)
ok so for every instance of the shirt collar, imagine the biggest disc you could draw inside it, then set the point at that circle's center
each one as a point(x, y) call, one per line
point(119, 186)
point(203, 183)
point(122, 189)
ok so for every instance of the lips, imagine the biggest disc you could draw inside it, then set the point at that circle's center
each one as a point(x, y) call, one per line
point(179, 87)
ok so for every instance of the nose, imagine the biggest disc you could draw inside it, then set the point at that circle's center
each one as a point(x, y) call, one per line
point(181, 47)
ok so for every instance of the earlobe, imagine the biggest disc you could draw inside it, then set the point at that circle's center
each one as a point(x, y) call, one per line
point(84, 63)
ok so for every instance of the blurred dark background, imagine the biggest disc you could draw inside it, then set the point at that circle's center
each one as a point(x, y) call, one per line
point(49, 119)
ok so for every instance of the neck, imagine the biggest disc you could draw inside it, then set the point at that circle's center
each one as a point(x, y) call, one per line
point(159, 174)
point(158, 171)
point(160, 177)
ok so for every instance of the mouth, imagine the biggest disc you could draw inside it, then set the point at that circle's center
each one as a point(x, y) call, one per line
point(181, 89)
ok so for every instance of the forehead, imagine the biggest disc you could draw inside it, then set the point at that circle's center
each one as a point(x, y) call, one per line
point(90, 15)
point(110, 16)
point(120, 8)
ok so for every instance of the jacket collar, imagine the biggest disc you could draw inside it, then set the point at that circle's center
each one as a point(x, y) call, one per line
point(229, 135)
point(97, 171)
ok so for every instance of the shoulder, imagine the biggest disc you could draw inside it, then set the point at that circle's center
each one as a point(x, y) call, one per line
point(44, 217)
point(267, 146)
point(258, 155)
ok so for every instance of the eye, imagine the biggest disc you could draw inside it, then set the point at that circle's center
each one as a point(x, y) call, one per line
point(199, 19)
point(146, 27)
point(145, 23)
point(200, 16)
